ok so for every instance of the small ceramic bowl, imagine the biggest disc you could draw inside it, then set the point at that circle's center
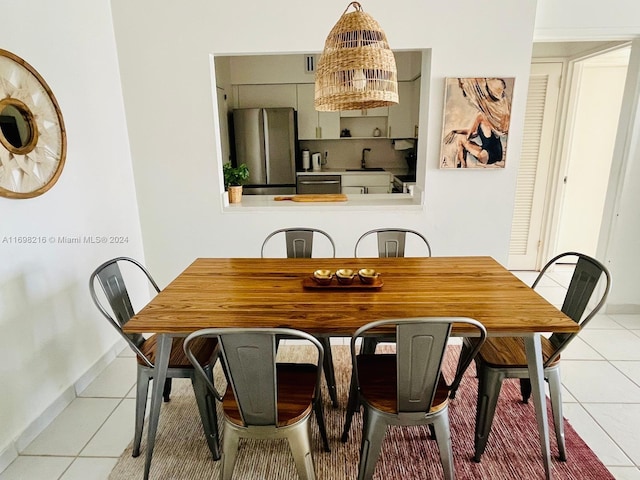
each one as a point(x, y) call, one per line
point(345, 276)
point(323, 277)
point(367, 275)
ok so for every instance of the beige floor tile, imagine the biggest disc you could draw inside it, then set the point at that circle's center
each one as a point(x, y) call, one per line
point(114, 381)
point(595, 436)
point(90, 468)
point(115, 434)
point(73, 428)
point(36, 468)
point(622, 424)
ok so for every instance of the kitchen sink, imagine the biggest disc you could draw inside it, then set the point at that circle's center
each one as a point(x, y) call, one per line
point(372, 169)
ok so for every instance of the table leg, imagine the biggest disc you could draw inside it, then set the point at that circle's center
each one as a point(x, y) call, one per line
point(163, 349)
point(533, 348)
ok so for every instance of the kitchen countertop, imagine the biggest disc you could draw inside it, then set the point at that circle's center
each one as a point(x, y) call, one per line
point(355, 202)
point(343, 171)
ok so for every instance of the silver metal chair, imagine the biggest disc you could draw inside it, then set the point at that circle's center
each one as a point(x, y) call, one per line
point(405, 388)
point(264, 399)
point(299, 242)
point(391, 241)
point(505, 357)
point(110, 278)
point(391, 244)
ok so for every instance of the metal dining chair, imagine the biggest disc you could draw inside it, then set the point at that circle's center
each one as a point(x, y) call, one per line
point(392, 241)
point(119, 311)
point(391, 244)
point(264, 399)
point(299, 243)
point(505, 357)
point(404, 388)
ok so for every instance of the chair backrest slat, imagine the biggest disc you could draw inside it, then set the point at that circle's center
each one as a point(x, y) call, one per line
point(420, 350)
point(251, 359)
point(299, 243)
point(583, 283)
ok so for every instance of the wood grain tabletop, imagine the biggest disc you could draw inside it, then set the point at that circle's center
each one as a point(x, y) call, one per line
point(256, 292)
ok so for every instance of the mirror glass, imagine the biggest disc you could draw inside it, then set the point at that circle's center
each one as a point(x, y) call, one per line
point(16, 124)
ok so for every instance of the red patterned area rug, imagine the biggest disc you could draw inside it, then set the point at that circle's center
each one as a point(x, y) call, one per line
point(513, 451)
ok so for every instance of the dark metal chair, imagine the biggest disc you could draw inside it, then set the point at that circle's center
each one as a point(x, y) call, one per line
point(264, 399)
point(110, 278)
point(299, 243)
point(505, 357)
point(405, 388)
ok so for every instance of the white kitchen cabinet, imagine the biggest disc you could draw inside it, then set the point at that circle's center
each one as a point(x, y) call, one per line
point(403, 119)
point(312, 124)
point(367, 112)
point(367, 182)
point(267, 96)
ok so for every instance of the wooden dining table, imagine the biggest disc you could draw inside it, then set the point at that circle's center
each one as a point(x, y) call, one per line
point(259, 292)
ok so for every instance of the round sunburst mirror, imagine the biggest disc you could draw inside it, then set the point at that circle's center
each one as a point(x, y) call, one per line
point(33, 141)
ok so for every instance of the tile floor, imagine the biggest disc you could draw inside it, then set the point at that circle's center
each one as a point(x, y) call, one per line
point(600, 370)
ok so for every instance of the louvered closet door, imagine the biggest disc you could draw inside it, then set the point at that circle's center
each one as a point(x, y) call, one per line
point(535, 161)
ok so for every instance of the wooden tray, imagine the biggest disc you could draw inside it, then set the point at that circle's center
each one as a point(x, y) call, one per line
point(309, 282)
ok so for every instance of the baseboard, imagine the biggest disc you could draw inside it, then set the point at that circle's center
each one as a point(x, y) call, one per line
point(7, 456)
point(627, 309)
point(35, 428)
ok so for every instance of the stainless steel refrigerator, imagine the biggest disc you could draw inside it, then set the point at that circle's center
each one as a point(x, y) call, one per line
point(265, 139)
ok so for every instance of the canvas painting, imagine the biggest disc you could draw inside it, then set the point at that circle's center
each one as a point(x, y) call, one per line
point(477, 112)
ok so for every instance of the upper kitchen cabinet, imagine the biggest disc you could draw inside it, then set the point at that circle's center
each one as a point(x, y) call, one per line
point(267, 96)
point(313, 125)
point(403, 117)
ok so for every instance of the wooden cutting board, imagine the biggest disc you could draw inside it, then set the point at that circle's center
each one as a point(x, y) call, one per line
point(326, 197)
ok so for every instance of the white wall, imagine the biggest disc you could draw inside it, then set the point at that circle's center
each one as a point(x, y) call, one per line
point(176, 162)
point(50, 332)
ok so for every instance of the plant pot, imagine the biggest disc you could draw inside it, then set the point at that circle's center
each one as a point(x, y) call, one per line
point(235, 193)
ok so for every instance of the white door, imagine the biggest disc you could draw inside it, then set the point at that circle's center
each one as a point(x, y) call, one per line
point(535, 161)
point(590, 150)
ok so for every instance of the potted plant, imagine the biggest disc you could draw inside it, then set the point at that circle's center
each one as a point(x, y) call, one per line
point(234, 178)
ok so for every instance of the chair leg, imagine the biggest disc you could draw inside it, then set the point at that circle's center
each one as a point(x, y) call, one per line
point(329, 373)
point(525, 389)
point(166, 392)
point(230, 440)
point(465, 351)
point(443, 437)
point(142, 390)
point(489, 385)
point(299, 439)
point(373, 432)
point(555, 394)
point(369, 345)
point(352, 407)
point(207, 408)
point(317, 407)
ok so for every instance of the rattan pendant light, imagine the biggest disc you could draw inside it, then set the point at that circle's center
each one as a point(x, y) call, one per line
point(357, 69)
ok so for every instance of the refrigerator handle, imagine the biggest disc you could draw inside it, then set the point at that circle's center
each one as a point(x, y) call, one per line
point(267, 160)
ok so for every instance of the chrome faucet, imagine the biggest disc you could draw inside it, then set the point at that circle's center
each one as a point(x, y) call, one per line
point(363, 164)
